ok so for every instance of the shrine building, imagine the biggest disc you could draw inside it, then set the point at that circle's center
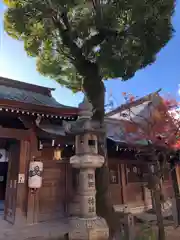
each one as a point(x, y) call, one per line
point(31, 130)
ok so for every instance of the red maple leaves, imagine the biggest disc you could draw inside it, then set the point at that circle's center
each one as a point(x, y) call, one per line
point(161, 127)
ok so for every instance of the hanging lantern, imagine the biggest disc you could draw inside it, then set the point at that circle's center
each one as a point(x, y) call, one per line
point(57, 154)
point(35, 174)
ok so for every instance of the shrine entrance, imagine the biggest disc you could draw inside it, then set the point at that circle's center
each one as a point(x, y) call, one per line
point(3, 174)
point(9, 164)
point(3, 181)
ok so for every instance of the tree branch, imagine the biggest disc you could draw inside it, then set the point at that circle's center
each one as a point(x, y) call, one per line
point(65, 20)
point(61, 51)
point(101, 36)
point(92, 80)
point(104, 32)
point(94, 4)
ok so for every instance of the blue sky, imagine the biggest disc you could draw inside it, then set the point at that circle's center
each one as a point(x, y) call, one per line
point(164, 73)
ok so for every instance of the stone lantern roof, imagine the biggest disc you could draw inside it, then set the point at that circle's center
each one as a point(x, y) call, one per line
point(85, 109)
point(84, 123)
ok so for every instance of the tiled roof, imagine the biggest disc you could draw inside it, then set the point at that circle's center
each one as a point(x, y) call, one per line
point(9, 93)
point(27, 93)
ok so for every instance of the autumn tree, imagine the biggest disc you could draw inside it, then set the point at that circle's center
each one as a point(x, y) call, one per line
point(157, 124)
point(82, 43)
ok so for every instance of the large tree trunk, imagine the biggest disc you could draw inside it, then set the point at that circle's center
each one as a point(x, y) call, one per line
point(105, 207)
point(156, 193)
point(154, 185)
point(94, 89)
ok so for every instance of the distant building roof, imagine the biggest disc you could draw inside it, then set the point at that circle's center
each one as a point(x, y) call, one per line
point(135, 108)
point(131, 122)
point(27, 93)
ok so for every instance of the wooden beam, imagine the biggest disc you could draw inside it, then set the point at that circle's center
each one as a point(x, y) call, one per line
point(14, 133)
point(27, 121)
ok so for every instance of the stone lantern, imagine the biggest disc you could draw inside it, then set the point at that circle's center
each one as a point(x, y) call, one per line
point(86, 225)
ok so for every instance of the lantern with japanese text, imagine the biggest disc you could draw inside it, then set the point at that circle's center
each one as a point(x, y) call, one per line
point(35, 174)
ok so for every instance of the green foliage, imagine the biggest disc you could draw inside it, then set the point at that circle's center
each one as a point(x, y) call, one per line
point(119, 37)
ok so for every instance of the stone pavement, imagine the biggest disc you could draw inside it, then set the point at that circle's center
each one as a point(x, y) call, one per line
point(40, 231)
point(172, 233)
point(54, 231)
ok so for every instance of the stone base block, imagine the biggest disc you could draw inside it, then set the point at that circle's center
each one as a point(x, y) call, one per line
point(88, 229)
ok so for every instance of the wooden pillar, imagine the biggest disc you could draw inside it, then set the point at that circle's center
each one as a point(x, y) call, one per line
point(177, 170)
point(123, 181)
point(21, 203)
point(32, 199)
point(145, 196)
point(67, 183)
point(144, 199)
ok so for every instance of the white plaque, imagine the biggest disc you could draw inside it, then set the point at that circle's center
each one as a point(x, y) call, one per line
point(21, 178)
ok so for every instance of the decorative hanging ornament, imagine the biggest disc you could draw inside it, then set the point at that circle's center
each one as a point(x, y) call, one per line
point(57, 154)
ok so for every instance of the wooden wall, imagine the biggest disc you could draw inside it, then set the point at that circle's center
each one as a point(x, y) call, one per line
point(135, 190)
point(54, 194)
point(115, 179)
point(59, 186)
point(127, 187)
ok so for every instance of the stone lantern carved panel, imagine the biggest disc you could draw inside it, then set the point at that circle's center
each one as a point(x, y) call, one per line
point(91, 180)
point(93, 144)
point(86, 143)
point(91, 205)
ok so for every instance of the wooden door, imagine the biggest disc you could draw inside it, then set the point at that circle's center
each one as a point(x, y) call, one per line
point(52, 194)
point(115, 183)
point(3, 178)
point(12, 182)
point(134, 189)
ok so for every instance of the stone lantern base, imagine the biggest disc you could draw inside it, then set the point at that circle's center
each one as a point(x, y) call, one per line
point(88, 229)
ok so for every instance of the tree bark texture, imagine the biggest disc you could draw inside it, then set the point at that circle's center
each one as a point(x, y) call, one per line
point(157, 201)
point(154, 185)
